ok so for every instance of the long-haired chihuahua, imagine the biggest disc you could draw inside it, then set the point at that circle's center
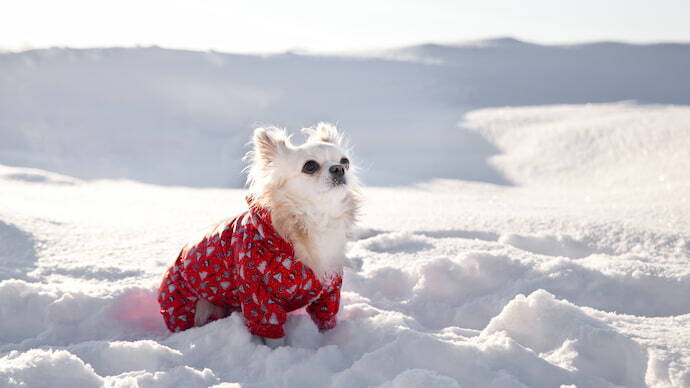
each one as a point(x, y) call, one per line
point(287, 251)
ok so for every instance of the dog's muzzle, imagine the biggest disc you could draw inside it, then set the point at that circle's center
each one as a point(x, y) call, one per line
point(337, 174)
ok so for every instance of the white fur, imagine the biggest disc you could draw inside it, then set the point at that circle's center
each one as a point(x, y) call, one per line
point(321, 215)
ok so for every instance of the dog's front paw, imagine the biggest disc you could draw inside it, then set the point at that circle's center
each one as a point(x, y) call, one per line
point(273, 343)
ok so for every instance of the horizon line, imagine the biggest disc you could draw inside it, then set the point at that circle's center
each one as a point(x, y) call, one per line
point(347, 52)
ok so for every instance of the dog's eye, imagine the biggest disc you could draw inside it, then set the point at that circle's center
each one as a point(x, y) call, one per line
point(345, 162)
point(310, 167)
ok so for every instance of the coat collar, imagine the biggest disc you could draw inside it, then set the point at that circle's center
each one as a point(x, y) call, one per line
point(264, 224)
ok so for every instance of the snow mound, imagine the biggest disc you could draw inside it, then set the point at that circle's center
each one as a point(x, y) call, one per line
point(397, 242)
point(562, 334)
point(550, 245)
point(31, 314)
point(35, 175)
point(60, 368)
point(617, 146)
point(18, 252)
point(46, 368)
point(116, 357)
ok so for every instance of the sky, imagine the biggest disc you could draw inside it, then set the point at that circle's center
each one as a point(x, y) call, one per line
point(265, 26)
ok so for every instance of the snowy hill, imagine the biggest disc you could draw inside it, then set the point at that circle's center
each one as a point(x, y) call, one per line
point(164, 116)
point(545, 244)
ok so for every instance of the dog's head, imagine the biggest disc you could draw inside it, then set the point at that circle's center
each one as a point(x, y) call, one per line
point(317, 174)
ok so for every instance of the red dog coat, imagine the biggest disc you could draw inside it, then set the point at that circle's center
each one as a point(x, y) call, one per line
point(245, 265)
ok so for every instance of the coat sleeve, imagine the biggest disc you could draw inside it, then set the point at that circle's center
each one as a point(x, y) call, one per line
point(264, 317)
point(323, 310)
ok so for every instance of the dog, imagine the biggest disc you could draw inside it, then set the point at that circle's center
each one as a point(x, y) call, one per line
point(287, 251)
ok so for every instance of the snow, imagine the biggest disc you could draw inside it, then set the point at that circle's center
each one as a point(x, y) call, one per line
point(524, 246)
point(166, 116)
point(47, 367)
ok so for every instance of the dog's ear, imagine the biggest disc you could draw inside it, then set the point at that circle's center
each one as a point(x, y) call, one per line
point(324, 132)
point(268, 143)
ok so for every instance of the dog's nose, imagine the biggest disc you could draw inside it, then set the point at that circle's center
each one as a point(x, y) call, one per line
point(337, 170)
